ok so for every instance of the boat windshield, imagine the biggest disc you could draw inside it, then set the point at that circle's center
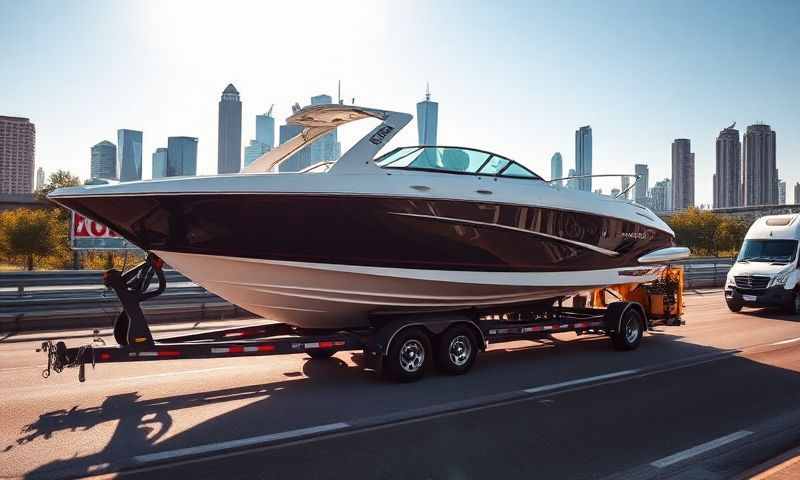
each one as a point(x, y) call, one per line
point(454, 160)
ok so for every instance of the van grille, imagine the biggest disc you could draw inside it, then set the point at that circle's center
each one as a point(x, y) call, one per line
point(752, 281)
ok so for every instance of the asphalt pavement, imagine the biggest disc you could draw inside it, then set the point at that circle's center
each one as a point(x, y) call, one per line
point(709, 399)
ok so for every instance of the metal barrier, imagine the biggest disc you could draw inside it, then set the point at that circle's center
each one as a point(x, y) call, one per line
point(57, 278)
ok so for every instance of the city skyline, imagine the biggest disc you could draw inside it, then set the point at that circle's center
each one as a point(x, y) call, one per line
point(699, 83)
point(229, 132)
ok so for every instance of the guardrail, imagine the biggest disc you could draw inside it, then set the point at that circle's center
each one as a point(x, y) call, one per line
point(58, 278)
point(706, 272)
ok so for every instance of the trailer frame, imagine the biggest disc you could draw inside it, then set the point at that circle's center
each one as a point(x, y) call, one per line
point(476, 327)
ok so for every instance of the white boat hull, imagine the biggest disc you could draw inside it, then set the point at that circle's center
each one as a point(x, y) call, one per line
point(319, 295)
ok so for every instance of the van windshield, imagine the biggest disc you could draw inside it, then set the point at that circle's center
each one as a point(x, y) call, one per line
point(768, 251)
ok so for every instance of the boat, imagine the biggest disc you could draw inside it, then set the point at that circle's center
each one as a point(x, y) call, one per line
point(415, 229)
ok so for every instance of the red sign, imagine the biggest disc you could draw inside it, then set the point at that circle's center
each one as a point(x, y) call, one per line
point(83, 227)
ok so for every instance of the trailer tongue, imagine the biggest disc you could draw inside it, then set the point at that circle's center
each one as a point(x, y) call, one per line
point(400, 345)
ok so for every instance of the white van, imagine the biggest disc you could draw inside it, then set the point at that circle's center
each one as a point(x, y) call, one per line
point(766, 271)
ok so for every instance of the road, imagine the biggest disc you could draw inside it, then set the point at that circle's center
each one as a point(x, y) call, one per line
point(705, 400)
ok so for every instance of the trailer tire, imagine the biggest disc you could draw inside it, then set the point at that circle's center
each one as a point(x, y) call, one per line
point(320, 353)
point(121, 329)
point(630, 332)
point(409, 354)
point(456, 350)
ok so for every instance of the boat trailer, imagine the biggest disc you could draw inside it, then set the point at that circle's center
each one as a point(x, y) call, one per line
point(398, 344)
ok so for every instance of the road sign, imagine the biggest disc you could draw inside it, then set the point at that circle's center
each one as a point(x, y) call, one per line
point(86, 234)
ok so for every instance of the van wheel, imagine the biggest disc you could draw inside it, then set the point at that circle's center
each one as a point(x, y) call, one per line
point(408, 355)
point(734, 306)
point(792, 307)
point(456, 350)
point(631, 331)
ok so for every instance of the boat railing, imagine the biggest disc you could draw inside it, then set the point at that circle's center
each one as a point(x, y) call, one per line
point(620, 194)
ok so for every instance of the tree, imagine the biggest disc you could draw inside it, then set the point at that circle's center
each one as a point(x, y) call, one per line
point(707, 233)
point(58, 179)
point(28, 234)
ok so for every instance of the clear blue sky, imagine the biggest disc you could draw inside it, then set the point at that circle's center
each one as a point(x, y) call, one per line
point(513, 77)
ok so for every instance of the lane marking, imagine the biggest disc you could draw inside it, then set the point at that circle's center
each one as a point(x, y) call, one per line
point(242, 442)
point(702, 448)
point(784, 342)
point(580, 381)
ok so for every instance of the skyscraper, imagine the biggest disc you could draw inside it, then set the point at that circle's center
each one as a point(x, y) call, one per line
point(265, 129)
point(298, 160)
point(129, 155)
point(781, 192)
point(759, 175)
point(39, 178)
point(643, 184)
point(327, 148)
point(583, 157)
point(661, 196)
point(229, 132)
point(556, 167)
point(797, 193)
point(427, 119)
point(572, 183)
point(17, 147)
point(104, 161)
point(625, 183)
point(682, 174)
point(182, 156)
point(265, 138)
point(160, 162)
point(728, 179)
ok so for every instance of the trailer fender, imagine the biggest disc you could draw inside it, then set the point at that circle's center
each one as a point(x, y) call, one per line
point(379, 343)
point(616, 310)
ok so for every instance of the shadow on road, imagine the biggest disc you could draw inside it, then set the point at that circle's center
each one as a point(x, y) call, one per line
point(331, 390)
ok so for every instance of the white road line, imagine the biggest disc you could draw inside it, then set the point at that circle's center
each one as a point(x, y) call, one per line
point(783, 342)
point(579, 381)
point(242, 442)
point(705, 447)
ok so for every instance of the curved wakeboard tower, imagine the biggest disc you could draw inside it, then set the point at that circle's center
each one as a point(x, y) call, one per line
point(319, 120)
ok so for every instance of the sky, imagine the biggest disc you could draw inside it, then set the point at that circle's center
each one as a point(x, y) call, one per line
point(516, 78)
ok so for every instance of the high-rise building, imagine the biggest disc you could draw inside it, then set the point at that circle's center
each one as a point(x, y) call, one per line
point(17, 148)
point(298, 160)
point(572, 183)
point(682, 174)
point(642, 184)
point(39, 178)
point(797, 193)
point(781, 192)
point(181, 156)
point(661, 196)
point(583, 157)
point(556, 167)
point(265, 138)
point(104, 161)
point(759, 174)
point(625, 183)
point(254, 150)
point(427, 119)
point(327, 148)
point(265, 129)
point(160, 162)
point(728, 176)
point(129, 155)
point(229, 132)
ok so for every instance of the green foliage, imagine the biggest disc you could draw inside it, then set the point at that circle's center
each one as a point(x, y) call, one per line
point(29, 235)
point(707, 233)
point(58, 179)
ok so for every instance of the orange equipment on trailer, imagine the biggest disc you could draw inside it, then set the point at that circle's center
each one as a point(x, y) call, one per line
point(661, 298)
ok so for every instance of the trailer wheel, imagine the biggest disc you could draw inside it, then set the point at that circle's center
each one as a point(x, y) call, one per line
point(409, 353)
point(121, 329)
point(320, 353)
point(456, 350)
point(631, 330)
